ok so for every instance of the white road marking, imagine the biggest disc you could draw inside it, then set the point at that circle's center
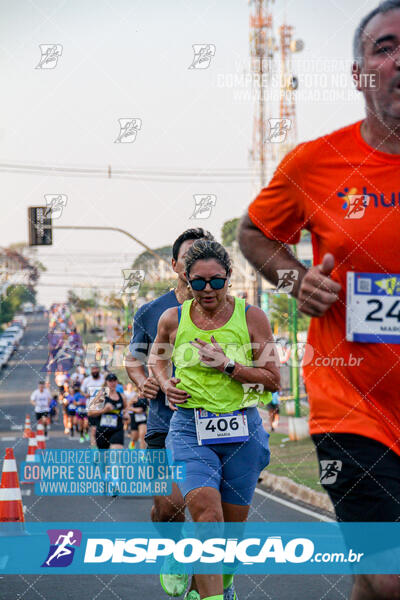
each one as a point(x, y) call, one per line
point(7, 439)
point(25, 492)
point(302, 509)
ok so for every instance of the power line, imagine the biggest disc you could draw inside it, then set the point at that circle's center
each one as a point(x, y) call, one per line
point(216, 175)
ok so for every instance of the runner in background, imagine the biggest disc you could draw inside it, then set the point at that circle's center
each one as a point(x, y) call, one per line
point(137, 408)
point(273, 411)
point(41, 399)
point(70, 410)
point(111, 415)
point(344, 189)
point(90, 386)
point(53, 408)
point(81, 414)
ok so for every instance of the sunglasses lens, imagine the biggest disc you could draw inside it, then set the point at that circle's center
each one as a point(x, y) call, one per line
point(198, 284)
point(217, 283)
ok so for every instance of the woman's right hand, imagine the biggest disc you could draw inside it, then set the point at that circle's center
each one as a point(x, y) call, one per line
point(173, 394)
point(108, 407)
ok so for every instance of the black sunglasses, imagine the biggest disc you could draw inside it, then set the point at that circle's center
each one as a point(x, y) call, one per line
point(216, 283)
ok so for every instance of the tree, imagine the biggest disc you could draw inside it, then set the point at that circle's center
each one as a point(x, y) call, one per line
point(229, 231)
point(142, 261)
point(12, 299)
point(279, 312)
point(80, 303)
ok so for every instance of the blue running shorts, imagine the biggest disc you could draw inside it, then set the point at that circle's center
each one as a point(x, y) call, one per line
point(233, 468)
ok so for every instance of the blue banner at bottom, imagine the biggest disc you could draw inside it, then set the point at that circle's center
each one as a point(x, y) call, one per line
point(249, 548)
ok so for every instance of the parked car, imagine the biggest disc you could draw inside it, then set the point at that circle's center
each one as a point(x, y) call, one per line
point(11, 337)
point(3, 358)
point(21, 319)
point(7, 345)
point(17, 331)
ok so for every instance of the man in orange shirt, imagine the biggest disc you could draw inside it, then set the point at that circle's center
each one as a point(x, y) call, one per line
point(345, 189)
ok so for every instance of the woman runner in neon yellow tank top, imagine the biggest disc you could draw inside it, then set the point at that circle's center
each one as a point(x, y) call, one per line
point(226, 361)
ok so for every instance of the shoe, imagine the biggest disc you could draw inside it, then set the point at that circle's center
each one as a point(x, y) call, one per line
point(230, 593)
point(172, 582)
point(66, 431)
point(87, 437)
point(192, 595)
point(81, 440)
point(131, 446)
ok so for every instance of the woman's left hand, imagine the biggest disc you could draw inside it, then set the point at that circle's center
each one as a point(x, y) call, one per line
point(212, 354)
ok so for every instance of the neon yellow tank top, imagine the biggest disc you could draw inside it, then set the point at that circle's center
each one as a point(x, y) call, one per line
point(210, 389)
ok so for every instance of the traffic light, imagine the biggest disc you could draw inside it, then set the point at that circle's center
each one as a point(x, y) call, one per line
point(39, 226)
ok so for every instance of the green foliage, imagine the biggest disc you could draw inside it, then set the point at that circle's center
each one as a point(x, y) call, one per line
point(229, 231)
point(81, 303)
point(143, 258)
point(158, 288)
point(279, 312)
point(12, 300)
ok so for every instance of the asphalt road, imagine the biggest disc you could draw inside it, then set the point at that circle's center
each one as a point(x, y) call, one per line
point(17, 381)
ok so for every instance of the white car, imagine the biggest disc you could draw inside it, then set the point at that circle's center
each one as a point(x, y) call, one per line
point(10, 336)
point(7, 347)
point(16, 331)
point(4, 356)
point(21, 319)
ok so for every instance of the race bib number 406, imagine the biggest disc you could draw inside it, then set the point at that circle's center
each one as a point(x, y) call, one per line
point(373, 308)
point(221, 429)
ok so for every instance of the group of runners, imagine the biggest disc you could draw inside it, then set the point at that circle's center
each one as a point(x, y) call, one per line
point(121, 411)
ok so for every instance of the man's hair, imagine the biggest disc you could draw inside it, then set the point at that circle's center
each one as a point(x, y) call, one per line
point(207, 250)
point(358, 46)
point(190, 234)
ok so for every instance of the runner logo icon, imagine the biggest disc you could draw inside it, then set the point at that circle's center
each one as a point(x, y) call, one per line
point(62, 547)
point(330, 470)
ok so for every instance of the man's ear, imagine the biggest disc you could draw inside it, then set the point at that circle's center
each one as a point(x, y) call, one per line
point(173, 264)
point(355, 73)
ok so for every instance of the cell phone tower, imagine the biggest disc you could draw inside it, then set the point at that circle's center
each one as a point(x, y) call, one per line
point(288, 86)
point(262, 52)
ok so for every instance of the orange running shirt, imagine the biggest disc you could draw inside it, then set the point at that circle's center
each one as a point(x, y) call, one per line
point(359, 392)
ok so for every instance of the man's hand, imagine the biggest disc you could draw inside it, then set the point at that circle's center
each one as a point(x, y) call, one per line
point(173, 394)
point(150, 388)
point(317, 290)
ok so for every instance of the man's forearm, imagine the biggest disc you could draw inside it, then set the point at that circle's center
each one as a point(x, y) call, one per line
point(136, 373)
point(266, 255)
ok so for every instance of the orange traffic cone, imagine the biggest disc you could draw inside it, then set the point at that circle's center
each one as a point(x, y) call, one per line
point(32, 447)
point(27, 429)
point(41, 440)
point(10, 493)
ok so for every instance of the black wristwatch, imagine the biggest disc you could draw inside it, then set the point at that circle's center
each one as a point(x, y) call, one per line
point(229, 367)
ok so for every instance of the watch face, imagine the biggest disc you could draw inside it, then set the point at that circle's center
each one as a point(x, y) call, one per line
point(230, 367)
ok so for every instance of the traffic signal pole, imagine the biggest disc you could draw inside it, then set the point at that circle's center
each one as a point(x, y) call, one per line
point(105, 228)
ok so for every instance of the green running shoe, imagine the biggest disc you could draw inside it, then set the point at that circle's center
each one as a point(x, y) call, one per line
point(173, 584)
point(173, 581)
point(192, 595)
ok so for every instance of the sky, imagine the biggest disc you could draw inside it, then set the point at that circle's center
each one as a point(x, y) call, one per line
point(130, 59)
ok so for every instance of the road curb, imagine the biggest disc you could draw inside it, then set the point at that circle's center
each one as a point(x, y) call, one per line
point(296, 491)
